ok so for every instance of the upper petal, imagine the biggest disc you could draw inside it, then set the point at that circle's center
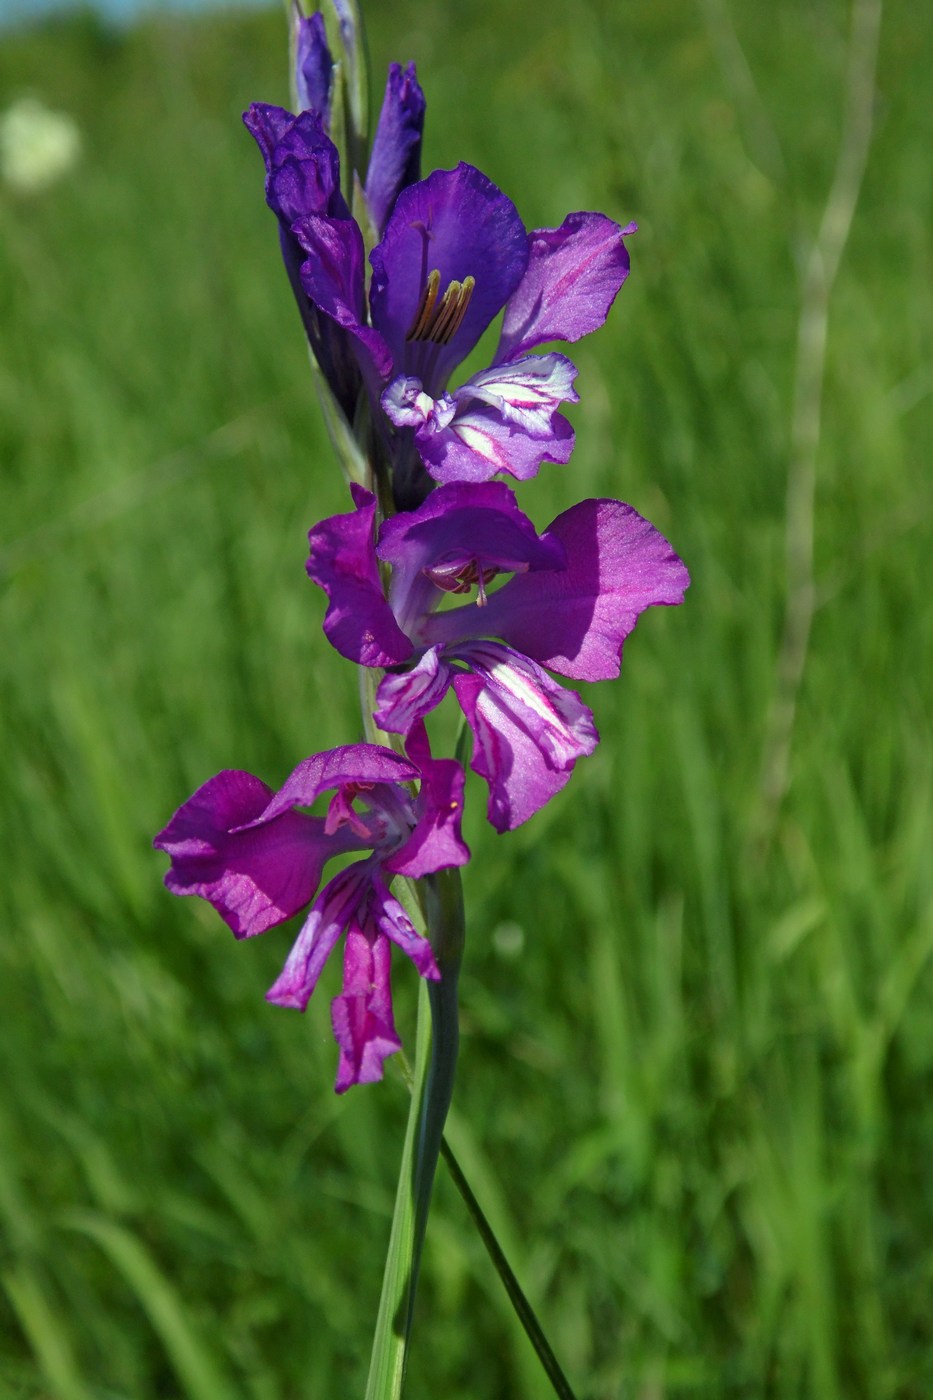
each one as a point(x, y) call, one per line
point(576, 620)
point(364, 764)
point(359, 621)
point(395, 161)
point(457, 526)
point(574, 273)
point(255, 871)
point(459, 224)
point(267, 124)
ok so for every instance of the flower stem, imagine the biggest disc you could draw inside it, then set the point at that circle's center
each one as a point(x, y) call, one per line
point(431, 1091)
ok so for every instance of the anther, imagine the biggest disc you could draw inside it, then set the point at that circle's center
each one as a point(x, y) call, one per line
point(425, 310)
point(441, 323)
point(460, 578)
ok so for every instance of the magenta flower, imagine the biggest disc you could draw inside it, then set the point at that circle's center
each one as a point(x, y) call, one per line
point(257, 860)
point(452, 254)
point(575, 594)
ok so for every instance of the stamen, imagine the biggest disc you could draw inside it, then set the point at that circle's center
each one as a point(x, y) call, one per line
point(441, 323)
point(423, 316)
point(341, 811)
point(460, 578)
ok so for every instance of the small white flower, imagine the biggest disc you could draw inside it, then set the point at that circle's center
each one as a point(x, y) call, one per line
point(37, 145)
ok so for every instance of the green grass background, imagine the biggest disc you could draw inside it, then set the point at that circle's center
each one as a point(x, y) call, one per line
point(695, 1085)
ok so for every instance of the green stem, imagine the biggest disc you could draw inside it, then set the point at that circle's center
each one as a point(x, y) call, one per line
point(431, 1091)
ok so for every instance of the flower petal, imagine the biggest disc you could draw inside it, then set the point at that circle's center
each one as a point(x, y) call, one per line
point(356, 764)
point(506, 420)
point(359, 621)
point(480, 442)
point(395, 161)
point(576, 620)
point(528, 731)
point(385, 914)
point(573, 276)
point(361, 1016)
point(267, 124)
point(458, 223)
point(407, 404)
point(303, 181)
point(333, 278)
point(435, 843)
point(256, 873)
point(302, 164)
point(404, 698)
point(333, 909)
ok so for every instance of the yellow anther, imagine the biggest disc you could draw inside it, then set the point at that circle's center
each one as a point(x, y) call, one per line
point(440, 323)
point(425, 311)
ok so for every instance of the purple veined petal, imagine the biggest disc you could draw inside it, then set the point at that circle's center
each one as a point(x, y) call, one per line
point(574, 274)
point(314, 65)
point(528, 731)
point(506, 420)
point(458, 224)
point(333, 278)
point(359, 621)
point(525, 392)
point(355, 764)
point(461, 535)
point(395, 161)
point(479, 443)
point(435, 843)
point(575, 621)
point(361, 1016)
point(255, 873)
point(407, 404)
point(333, 909)
point(387, 915)
point(403, 699)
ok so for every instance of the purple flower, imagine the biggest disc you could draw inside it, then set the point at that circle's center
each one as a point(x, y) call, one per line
point(258, 861)
point(455, 253)
point(452, 254)
point(575, 594)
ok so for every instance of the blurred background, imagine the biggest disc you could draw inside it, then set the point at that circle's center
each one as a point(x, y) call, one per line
point(695, 1085)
